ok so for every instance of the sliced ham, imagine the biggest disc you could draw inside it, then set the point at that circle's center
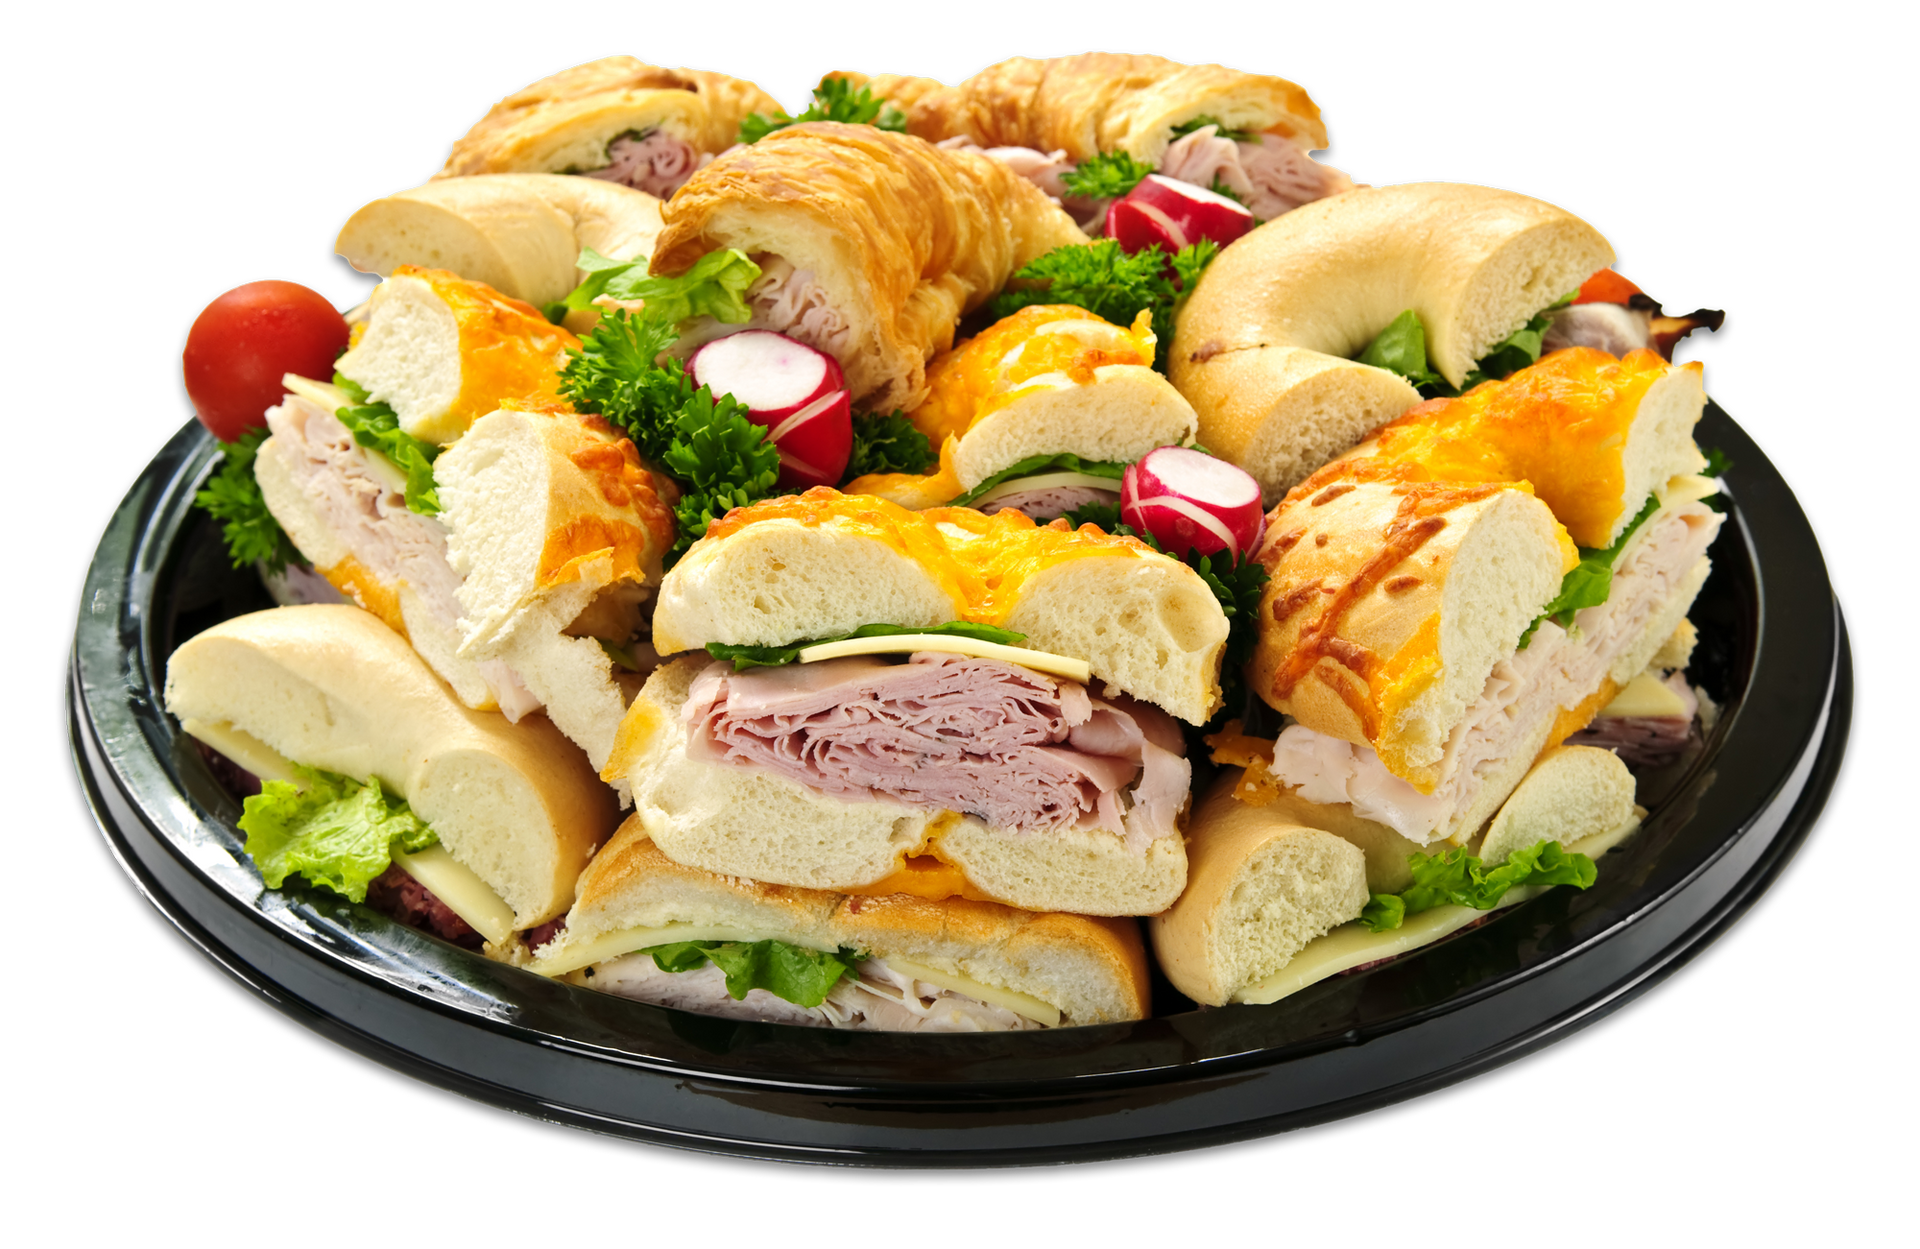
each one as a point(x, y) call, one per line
point(1020, 749)
point(1281, 176)
point(654, 162)
point(1044, 504)
point(1645, 741)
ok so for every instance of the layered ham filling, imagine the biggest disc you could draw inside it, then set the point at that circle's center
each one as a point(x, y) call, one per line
point(653, 161)
point(878, 1000)
point(785, 300)
point(1558, 668)
point(1645, 741)
point(1017, 748)
point(367, 510)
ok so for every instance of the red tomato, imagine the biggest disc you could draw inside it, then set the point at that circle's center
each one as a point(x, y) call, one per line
point(1606, 287)
point(244, 341)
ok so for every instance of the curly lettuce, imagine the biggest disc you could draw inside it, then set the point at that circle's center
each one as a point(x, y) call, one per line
point(789, 972)
point(1456, 878)
point(744, 657)
point(339, 833)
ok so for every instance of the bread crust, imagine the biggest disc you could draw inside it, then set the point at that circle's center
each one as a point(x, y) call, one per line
point(331, 687)
point(903, 237)
point(1264, 347)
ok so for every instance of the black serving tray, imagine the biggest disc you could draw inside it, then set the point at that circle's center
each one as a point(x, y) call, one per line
point(1723, 822)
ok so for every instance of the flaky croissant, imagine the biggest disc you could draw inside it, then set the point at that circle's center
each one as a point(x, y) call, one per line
point(873, 244)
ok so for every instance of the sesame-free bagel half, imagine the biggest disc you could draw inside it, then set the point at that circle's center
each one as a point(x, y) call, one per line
point(1264, 347)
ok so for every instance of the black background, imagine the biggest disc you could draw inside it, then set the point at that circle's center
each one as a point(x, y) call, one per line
point(1711, 169)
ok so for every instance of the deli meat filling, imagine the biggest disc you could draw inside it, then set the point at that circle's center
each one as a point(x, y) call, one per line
point(1020, 749)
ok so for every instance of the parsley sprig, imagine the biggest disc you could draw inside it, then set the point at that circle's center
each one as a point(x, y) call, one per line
point(835, 99)
point(1109, 283)
point(1106, 176)
point(232, 497)
point(887, 444)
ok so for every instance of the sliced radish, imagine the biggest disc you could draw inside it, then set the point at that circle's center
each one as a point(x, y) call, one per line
point(1190, 501)
point(1136, 227)
point(1179, 211)
point(797, 393)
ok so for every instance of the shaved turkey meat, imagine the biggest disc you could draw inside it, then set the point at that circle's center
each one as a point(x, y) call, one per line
point(783, 299)
point(1043, 504)
point(654, 162)
point(1557, 669)
point(1020, 749)
point(878, 1000)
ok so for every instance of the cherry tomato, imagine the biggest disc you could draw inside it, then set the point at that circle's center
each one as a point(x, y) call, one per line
point(244, 341)
point(1606, 287)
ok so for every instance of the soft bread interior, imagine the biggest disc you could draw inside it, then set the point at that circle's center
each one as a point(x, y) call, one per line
point(1125, 412)
point(1260, 889)
point(1660, 442)
point(1571, 793)
point(333, 688)
point(409, 356)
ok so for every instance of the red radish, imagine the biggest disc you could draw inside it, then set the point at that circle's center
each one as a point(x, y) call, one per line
point(1190, 501)
point(798, 394)
point(1177, 212)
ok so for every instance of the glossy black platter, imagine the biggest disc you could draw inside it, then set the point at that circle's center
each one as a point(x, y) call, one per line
point(1723, 823)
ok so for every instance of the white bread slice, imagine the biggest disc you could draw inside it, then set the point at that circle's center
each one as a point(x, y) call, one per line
point(1260, 888)
point(330, 687)
point(743, 822)
point(520, 233)
point(1572, 792)
point(1124, 412)
point(1091, 970)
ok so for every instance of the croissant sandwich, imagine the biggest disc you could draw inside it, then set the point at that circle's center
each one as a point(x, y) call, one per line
point(648, 928)
point(377, 783)
point(1249, 134)
point(871, 245)
point(941, 703)
point(615, 119)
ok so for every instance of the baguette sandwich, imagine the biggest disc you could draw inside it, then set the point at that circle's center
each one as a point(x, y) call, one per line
point(1041, 412)
point(937, 759)
point(1058, 121)
point(648, 928)
point(376, 778)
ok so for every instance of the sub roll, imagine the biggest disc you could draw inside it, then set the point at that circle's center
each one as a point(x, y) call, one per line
point(1047, 382)
point(910, 964)
point(617, 120)
point(515, 811)
point(1049, 776)
point(1045, 117)
point(871, 245)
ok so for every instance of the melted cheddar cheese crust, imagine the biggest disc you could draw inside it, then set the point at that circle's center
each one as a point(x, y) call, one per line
point(508, 351)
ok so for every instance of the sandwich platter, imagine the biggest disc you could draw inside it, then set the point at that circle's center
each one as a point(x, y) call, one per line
point(1721, 823)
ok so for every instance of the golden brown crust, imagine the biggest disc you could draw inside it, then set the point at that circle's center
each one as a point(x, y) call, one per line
point(904, 238)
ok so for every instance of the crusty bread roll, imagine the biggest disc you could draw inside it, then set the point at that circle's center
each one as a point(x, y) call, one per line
point(1259, 888)
point(333, 688)
point(565, 122)
point(1099, 102)
point(444, 351)
point(556, 532)
point(1264, 347)
point(893, 237)
point(826, 563)
point(1087, 970)
point(1571, 793)
point(520, 233)
point(753, 824)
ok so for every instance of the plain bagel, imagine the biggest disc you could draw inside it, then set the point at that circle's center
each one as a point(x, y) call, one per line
point(1264, 348)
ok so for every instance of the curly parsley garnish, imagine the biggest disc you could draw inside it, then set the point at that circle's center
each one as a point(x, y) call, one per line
point(835, 99)
point(1111, 284)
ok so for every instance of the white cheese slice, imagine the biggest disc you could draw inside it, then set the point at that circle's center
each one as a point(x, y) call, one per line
point(1045, 481)
point(456, 884)
point(572, 956)
point(1022, 1004)
point(1689, 488)
point(243, 748)
point(1351, 945)
point(907, 643)
point(1645, 695)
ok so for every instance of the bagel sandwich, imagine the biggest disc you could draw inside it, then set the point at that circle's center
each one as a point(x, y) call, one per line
point(1266, 348)
point(1285, 893)
point(375, 779)
point(616, 120)
point(941, 703)
point(650, 929)
point(869, 245)
point(1472, 586)
point(1041, 412)
point(1074, 124)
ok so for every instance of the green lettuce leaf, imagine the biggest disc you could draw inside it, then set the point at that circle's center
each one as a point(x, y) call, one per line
point(716, 286)
point(745, 657)
point(1111, 284)
point(835, 99)
point(1106, 176)
point(333, 830)
point(1402, 348)
point(887, 444)
point(232, 497)
point(789, 972)
point(1238, 136)
point(374, 426)
point(1588, 583)
point(1062, 463)
point(1456, 878)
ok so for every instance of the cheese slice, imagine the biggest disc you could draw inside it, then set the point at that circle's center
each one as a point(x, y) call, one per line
point(1022, 1004)
point(1689, 488)
point(1645, 695)
point(572, 956)
point(1354, 944)
point(464, 893)
point(243, 748)
point(907, 643)
point(1045, 481)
